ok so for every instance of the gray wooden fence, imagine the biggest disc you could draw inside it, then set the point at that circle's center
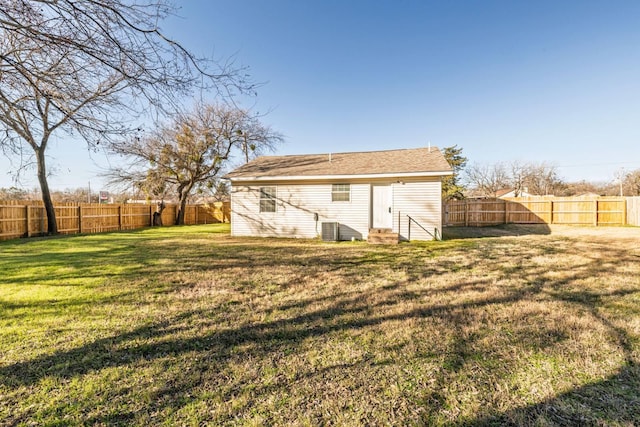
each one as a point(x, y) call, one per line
point(633, 211)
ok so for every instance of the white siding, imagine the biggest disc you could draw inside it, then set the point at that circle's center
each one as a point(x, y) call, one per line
point(422, 200)
point(296, 206)
point(297, 203)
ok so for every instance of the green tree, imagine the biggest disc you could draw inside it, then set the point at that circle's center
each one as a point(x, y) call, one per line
point(452, 188)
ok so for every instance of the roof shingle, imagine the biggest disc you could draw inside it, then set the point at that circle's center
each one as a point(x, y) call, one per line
point(414, 160)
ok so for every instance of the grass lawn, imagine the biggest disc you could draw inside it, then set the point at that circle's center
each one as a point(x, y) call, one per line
point(189, 326)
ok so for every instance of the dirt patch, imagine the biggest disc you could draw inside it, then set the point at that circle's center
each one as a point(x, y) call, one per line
point(602, 232)
point(541, 229)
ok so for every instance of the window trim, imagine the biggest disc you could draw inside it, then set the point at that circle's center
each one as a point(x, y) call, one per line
point(335, 192)
point(266, 197)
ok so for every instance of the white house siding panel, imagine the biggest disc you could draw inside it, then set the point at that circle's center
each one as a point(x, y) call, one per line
point(422, 201)
point(295, 208)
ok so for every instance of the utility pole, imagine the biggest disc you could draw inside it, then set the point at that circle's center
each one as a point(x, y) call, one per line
point(620, 176)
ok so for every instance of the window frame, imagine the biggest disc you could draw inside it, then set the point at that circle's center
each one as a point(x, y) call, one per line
point(268, 196)
point(341, 192)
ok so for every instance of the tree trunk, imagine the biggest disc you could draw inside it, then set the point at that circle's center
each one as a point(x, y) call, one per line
point(52, 225)
point(183, 194)
point(181, 209)
point(157, 215)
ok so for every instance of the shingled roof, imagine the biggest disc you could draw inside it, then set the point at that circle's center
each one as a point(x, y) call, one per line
point(407, 162)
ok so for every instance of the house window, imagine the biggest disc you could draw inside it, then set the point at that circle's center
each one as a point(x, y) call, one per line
point(267, 199)
point(340, 192)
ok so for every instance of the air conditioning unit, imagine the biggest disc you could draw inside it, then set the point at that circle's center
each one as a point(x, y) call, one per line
point(330, 231)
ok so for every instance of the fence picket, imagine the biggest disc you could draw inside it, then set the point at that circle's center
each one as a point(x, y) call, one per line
point(19, 218)
point(633, 210)
point(542, 210)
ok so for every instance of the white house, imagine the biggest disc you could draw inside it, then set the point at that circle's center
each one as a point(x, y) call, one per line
point(510, 192)
point(340, 196)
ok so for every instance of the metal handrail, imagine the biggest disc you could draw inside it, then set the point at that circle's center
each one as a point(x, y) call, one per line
point(435, 234)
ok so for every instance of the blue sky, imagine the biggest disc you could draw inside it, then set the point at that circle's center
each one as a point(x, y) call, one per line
point(507, 81)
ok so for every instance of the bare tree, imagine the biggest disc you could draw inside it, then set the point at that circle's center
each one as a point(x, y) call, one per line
point(218, 191)
point(534, 178)
point(86, 68)
point(487, 180)
point(256, 138)
point(518, 174)
point(542, 179)
point(191, 151)
point(631, 183)
point(13, 193)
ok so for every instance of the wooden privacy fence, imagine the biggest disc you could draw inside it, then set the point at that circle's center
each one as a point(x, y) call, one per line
point(633, 211)
point(28, 218)
point(568, 211)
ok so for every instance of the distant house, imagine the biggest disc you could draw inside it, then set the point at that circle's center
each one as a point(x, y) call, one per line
point(340, 196)
point(508, 192)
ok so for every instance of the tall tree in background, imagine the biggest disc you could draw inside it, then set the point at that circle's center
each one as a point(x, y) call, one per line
point(539, 179)
point(518, 174)
point(86, 68)
point(631, 183)
point(542, 179)
point(487, 180)
point(191, 151)
point(13, 193)
point(534, 178)
point(451, 185)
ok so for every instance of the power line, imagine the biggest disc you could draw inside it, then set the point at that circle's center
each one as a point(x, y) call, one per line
point(599, 164)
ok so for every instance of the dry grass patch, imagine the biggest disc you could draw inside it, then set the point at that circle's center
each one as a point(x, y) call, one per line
point(188, 326)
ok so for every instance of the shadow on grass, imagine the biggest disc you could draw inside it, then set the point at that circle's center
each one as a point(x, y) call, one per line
point(495, 231)
point(127, 255)
point(198, 332)
point(614, 401)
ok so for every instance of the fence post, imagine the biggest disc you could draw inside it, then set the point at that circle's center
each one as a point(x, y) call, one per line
point(466, 213)
point(445, 210)
point(79, 219)
point(506, 211)
point(595, 212)
point(43, 217)
point(150, 216)
point(624, 211)
point(28, 212)
point(119, 217)
point(551, 212)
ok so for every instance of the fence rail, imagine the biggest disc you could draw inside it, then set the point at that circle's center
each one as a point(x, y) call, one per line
point(569, 211)
point(28, 218)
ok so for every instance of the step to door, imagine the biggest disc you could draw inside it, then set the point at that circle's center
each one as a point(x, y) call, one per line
point(379, 230)
point(383, 236)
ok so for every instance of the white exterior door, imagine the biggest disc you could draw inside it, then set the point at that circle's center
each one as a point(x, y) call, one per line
point(381, 205)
